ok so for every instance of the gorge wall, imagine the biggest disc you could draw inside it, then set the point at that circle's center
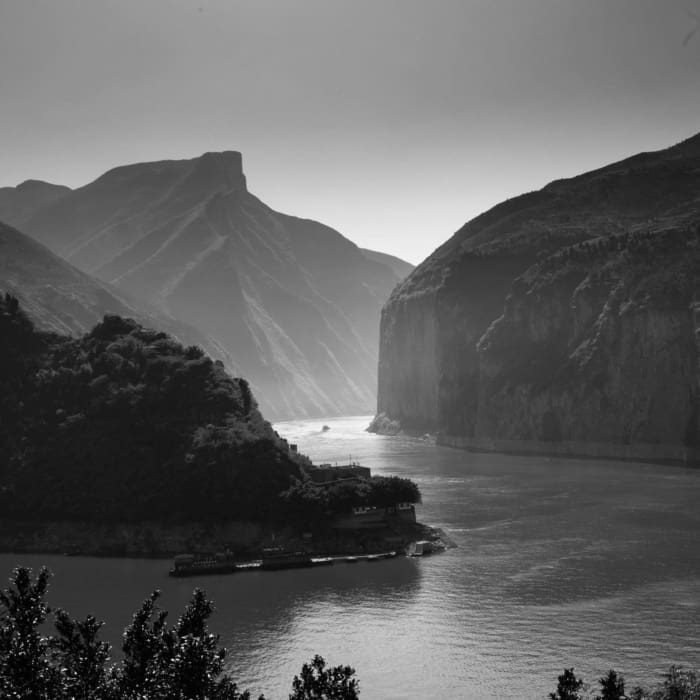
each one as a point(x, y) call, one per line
point(562, 321)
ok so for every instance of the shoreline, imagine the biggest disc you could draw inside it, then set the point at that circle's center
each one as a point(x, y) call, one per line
point(158, 542)
point(649, 453)
point(662, 454)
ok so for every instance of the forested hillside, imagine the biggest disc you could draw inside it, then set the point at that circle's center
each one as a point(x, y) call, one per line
point(125, 423)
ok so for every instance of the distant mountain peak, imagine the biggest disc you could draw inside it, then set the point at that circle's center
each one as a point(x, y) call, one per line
point(17, 203)
point(220, 168)
point(33, 184)
point(233, 159)
point(208, 174)
point(291, 302)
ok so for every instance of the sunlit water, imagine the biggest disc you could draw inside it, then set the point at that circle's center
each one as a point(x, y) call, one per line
point(559, 562)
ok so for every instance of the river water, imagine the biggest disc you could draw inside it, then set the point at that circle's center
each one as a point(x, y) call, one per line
point(560, 562)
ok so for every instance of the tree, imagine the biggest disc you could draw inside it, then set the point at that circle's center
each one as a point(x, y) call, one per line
point(178, 663)
point(12, 304)
point(679, 684)
point(80, 655)
point(317, 682)
point(143, 639)
point(161, 662)
point(25, 671)
point(193, 656)
point(568, 686)
point(390, 490)
point(612, 686)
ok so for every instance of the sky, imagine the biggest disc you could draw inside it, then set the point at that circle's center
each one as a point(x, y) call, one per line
point(393, 121)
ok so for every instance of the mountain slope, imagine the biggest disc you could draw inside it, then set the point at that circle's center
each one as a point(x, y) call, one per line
point(62, 299)
point(17, 203)
point(294, 302)
point(493, 340)
point(400, 267)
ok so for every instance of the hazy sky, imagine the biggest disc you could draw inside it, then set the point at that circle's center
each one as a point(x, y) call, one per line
point(394, 121)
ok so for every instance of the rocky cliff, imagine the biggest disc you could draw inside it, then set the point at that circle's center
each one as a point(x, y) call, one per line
point(292, 301)
point(564, 320)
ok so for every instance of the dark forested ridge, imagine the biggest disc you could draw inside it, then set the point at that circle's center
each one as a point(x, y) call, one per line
point(564, 320)
point(125, 423)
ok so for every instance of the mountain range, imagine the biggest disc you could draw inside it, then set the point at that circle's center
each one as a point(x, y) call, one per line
point(289, 303)
point(565, 320)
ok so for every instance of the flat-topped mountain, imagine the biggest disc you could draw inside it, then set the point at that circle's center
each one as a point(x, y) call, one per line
point(562, 320)
point(292, 301)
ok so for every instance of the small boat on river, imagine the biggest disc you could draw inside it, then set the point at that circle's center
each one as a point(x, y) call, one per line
point(420, 548)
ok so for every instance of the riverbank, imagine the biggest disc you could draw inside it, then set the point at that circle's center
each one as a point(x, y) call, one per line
point(653, 453)
point(678, 455)
point(157, 541)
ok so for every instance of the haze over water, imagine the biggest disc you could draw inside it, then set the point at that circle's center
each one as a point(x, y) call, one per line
point(559, 562)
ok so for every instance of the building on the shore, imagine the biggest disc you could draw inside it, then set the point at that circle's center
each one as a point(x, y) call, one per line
point(375, 517)
point(360, 517)
point(326, 474)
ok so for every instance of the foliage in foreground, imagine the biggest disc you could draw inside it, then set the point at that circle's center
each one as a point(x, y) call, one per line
point(182, 661)
point(677, 683)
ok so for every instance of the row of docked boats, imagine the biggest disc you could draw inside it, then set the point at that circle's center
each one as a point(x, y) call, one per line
point(272, 558)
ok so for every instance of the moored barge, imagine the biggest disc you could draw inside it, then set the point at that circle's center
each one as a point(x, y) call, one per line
point(280, 558)
point(191, 565)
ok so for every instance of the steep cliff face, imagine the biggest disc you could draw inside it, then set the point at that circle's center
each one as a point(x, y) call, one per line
point(294, 303)
point(564, 318)
point(598, 345)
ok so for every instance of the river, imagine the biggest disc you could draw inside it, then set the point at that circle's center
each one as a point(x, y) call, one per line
point(560, 562)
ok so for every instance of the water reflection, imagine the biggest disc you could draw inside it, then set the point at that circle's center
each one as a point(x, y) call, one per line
point(340, 611)
point(267, 619)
